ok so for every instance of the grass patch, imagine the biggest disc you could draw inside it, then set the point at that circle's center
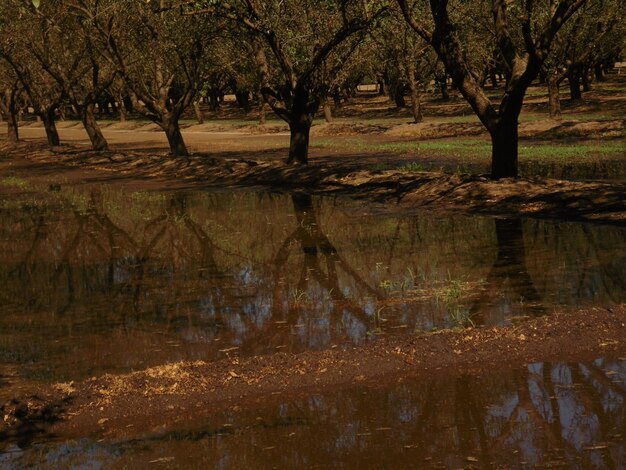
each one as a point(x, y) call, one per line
point(479, 149)
point(14, 182)
point(568, 151)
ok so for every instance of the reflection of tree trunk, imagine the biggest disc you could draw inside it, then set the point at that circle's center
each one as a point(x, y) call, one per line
point(509, 269)
point(468, 419)
point(589, 396)
point(321, 260)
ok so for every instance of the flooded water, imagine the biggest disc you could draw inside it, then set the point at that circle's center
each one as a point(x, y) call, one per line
point(107, 281)
point(544, 415)
point(98, 280)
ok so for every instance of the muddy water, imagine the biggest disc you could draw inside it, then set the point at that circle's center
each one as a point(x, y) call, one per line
point(97, 281)
point(544, 415)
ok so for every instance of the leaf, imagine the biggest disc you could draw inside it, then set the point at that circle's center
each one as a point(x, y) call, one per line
point(36, 3)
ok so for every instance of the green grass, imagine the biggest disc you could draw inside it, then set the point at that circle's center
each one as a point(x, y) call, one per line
point(571, 151)
point(14, 182)
point(471, 148)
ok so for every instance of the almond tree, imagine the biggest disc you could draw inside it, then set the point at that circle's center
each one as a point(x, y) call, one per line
point(42, 91)
point(10, 90)
point(596, 36)
point(523, 33)
point(60, 43)
point(162, 56)
point(306, 43)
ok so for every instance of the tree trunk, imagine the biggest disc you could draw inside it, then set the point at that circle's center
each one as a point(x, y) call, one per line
point(10, 109)
point(337, 98)
point(299, 141)
point(98, 142)
point(214, 100)
point(174, 137)
point(12, 128)
point(262, 113)
point(51, 129)
point(554, 101)
point(586, 80)
point(398, 95)
point(443, 89)
point(411, 74)
point(416, 106)
point(599, 72)
point(243, 100)
point(121, 109)
point(573, 78)
point(328, 114)
point(198, 111)
point(493, 77)
point(504, 137)
point(381, 88)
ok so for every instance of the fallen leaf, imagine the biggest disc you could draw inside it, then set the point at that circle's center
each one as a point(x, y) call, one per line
point(162, 460)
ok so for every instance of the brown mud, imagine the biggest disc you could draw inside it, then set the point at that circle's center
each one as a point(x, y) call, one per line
point(119, 406)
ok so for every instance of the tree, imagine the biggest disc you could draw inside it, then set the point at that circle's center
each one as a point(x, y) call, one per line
point(307, 44)
point(595, 37)
point(10, 90)
point(43, 92)
point(162, 56)
point(523, 33)
point(405, 61)
point(60, 41)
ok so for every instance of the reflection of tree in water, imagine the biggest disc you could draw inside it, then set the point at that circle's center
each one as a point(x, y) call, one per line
point(111, 267)
point(545, 415)
point(83, 275)
point(561, 415)
point(320, 269)
point(508, 279)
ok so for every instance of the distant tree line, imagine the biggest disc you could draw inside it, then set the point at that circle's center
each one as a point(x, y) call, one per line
point(160, 58)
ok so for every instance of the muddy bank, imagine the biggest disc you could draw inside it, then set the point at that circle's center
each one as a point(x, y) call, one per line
point(545, 198)
point(131, 404)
